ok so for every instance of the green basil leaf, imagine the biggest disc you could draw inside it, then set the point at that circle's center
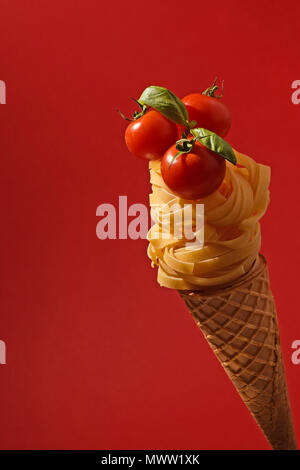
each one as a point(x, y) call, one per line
point(165, 102)
point(214, 143)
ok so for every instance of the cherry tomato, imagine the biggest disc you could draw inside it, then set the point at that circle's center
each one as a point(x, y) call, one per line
point(209, 112)
point(150, 136)
point(193, 175)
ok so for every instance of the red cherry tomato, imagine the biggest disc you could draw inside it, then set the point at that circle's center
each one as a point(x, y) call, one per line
point(209, 112)
point(193, 175)
point(150, 136)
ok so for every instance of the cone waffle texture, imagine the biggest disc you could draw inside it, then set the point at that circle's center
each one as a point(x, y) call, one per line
point(240, 323)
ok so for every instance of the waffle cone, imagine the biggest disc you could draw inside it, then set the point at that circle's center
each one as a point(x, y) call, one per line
point(239, 322)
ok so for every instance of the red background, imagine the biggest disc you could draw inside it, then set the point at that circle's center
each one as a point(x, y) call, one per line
point(98, 355)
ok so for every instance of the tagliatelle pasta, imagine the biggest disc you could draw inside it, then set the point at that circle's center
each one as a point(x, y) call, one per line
point(231, 240)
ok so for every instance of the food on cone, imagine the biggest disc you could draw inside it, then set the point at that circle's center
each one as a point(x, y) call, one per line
point(206, 203)
point(231, 227)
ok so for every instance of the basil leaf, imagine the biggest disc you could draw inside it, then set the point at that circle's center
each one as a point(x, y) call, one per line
point(165, 102)
point(214, 143)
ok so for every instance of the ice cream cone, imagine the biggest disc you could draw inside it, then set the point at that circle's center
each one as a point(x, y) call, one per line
point(239, 322)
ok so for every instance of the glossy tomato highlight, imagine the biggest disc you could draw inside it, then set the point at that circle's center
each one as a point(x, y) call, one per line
point(150, 135)
point(209, 112)
point(193, 175)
